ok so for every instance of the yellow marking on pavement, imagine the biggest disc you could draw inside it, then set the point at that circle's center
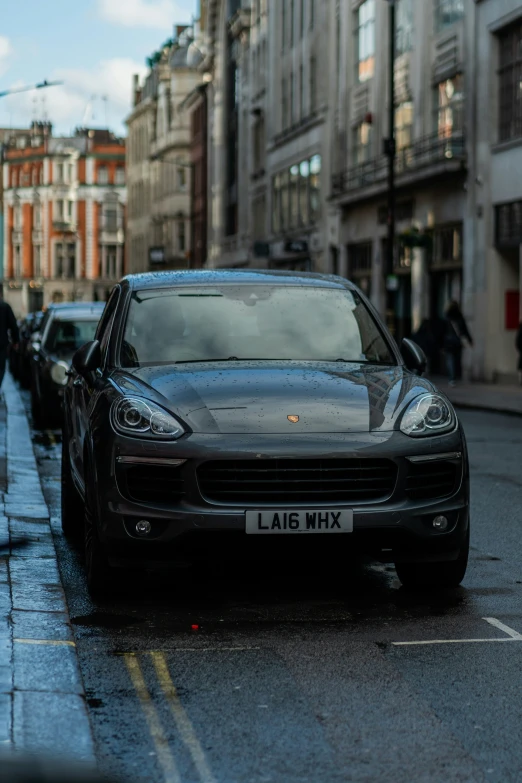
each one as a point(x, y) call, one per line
point(51, 642)
point(159, 738)
point(185, 727)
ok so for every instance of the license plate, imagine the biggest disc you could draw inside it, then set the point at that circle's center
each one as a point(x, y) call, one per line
point(271, 521)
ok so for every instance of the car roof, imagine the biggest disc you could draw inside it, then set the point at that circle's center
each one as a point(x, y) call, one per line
point(86, 312)
point(151, 280)
point(58, 306)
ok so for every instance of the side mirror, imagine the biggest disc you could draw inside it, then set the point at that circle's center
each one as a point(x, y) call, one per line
point(87, 359)
point(414, 357)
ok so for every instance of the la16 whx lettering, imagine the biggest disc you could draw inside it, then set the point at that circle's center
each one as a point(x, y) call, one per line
point(273, 521)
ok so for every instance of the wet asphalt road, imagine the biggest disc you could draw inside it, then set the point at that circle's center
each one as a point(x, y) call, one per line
point(295, 676)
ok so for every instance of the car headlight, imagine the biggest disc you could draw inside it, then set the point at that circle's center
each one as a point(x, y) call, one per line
point(135, 416)
point(429, 414)
point(59, 372)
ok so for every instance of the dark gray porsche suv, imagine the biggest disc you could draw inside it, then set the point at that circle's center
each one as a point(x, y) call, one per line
point(240, 414)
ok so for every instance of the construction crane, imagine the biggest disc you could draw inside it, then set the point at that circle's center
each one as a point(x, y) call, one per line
point(40, 86)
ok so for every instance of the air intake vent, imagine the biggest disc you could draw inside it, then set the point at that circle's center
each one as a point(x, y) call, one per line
point(151, 483)
point(431, 480)
point(290, 481)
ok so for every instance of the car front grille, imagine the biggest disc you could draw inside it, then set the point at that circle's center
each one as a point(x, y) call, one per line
point(432, 480)
point(152, 484)
point(271, 481)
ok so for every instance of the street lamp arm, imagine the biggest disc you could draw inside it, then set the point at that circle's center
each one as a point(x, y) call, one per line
point(39, 86)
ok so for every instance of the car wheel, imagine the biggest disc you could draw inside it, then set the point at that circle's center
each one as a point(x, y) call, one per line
point(433, 576)
point(99, 572)
point(73, 510)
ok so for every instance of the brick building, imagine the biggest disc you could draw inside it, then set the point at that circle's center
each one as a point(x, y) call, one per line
point(64, 216)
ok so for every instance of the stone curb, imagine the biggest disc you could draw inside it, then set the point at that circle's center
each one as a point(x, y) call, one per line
point(42, 697)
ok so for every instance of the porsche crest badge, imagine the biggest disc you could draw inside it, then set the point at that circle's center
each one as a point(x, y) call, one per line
point(293, 419)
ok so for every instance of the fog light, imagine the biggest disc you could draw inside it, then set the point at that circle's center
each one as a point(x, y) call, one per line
point(143, 527)
point(440, 523)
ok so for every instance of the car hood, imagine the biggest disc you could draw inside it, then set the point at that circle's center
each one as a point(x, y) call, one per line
point(252, 398)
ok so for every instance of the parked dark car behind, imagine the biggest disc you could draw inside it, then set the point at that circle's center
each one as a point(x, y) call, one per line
point(231, 415)
point(64, 329)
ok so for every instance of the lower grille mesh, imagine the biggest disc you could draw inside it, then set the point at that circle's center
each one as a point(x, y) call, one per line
point(297, 480)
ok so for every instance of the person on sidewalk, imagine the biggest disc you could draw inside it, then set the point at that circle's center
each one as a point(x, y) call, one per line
point(519, 349)
point(8, 328)
point(455, 337)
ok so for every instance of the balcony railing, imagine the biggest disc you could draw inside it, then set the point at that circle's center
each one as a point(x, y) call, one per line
point(423, 153)
point(64, 226)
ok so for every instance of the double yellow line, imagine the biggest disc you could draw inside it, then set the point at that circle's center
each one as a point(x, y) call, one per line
point(185, 729)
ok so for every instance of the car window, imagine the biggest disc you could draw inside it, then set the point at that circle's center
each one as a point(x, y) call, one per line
point(68, 336)
point(251, 322)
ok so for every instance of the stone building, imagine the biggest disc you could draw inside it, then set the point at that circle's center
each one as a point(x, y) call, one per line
point(432, 67)
point(64, 203)
point(494, 252)
point(158, 158)
point(267, 133)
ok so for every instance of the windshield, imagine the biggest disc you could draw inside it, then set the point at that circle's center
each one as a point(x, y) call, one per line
point(251, 322)
point(68, 336)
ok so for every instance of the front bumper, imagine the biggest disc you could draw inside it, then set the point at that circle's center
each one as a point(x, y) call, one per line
point(397, 528)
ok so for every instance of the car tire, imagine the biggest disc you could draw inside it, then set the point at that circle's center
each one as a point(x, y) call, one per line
point(100, 577)
point(435, 576)
point(73, 509)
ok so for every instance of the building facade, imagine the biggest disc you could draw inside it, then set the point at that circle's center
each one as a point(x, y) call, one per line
point(495, 186)
point(159, 158)
point(432, 69)
point(64, 202)
point(268, 108)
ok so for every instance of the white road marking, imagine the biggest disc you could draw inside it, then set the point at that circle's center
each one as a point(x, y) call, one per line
point(513, 636)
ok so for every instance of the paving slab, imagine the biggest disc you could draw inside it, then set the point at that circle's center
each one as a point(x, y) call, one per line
point(41, 625)
point(52, 723)
point(46, 667)
point(42, 698)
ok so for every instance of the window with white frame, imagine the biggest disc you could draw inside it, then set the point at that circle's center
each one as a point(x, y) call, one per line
point(103, 175)
point(365, 40)
point(120, 176)
point(362, 143)
point(59, 209)
point(37, 260)
point(447, 12)
point(17, 261)
point(58, 173)
point(404, 26)
point(449, 107)
point(18, 217)
point(37, 215)
point(182, 178)
point(403, 125)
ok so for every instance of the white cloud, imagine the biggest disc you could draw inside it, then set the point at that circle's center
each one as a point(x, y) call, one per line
point(5, 51)
point(156, 14)
point(79, 100)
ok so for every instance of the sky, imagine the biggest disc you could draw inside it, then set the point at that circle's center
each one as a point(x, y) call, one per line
point(93, 46)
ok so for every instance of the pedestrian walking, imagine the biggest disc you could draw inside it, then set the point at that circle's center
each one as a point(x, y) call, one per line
point(519, 349)
point(8, 329)
point(455, 337)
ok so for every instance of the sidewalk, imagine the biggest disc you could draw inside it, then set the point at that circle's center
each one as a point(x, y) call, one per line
point(483, 396)
point(42, 700)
